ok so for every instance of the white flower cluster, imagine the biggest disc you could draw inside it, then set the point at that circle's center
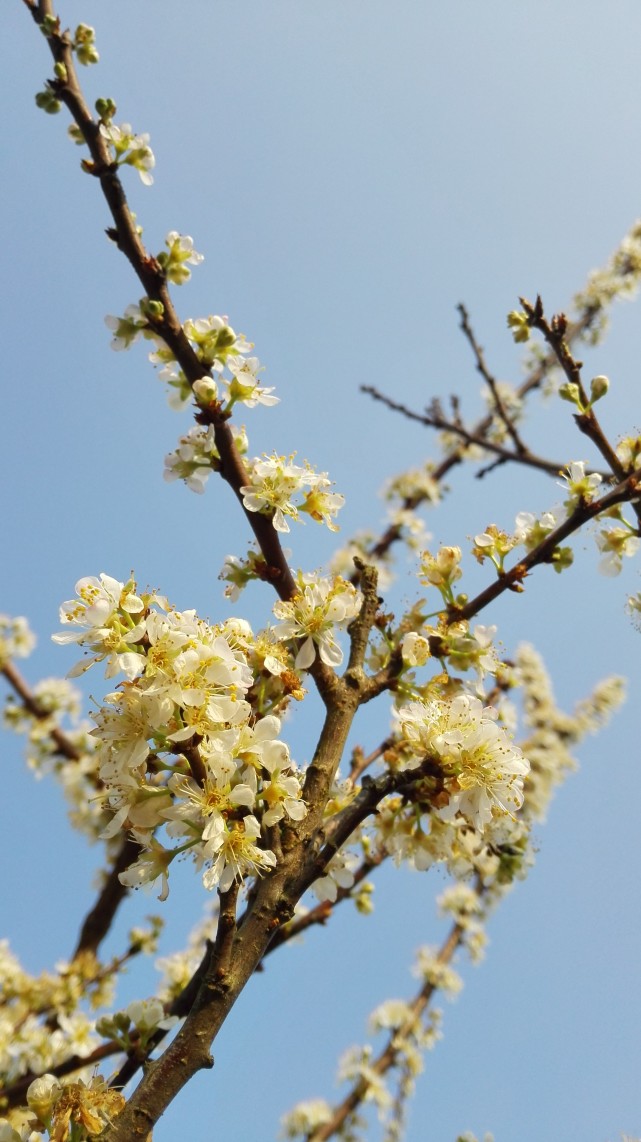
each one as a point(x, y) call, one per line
point(619, 279)
point(415, 484)
point(29, 1043)
point(552, 732)
point(181, 255)
point(467, 909)
point(230, 373)
point(432, 969)
point(305, 1117)
point(462, 647)
point(275, 480)
point(411, 1029)
point(17, 640)
point(71, 1109)
point(483, 770)
point(512, 405)
point(178, 744)
point(130, 149)
point(616, 538)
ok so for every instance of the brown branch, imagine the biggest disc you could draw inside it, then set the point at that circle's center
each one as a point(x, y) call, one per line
point(555, 333)
point(361, 761)
point(512, 579)
point(434, 419)
point(19, 684)
point(237, 956)
point(575, 330)
point(99, 920)
point(489, 379)
point(360, 628)
point(168, 326)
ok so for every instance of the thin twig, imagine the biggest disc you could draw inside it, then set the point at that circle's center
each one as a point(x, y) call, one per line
point(434, 419)
point(489, 379)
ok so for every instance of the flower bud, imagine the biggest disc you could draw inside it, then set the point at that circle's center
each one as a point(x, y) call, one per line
point(106, 108)
point(152, 309)
point(47, 101)
point(205, 390)
point(42, 1096)
point(598, 388)
point(226, 338)
point(49, 25)
point(570, 392)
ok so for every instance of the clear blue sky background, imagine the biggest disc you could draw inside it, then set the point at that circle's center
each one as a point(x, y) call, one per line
point(351, 169)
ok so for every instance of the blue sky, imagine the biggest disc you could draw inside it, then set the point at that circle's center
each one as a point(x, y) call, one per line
point(351, 171)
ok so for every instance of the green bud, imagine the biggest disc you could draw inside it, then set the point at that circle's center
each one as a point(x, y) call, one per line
point(598, 388)
point(153, 309)
point(47, 101)
point(50, 25)
point(106, 109)
point(363, 898)
point(60, 71)
point(225, 338)
point(87, 54)
point(570, 392)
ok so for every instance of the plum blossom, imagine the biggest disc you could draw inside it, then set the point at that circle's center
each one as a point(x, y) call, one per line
point(130, 149)
point(581, 486)
point(181, 255)
point(313, 615)
point(616, 543)
point(104, 613)
point(483, 770)
point(274, 480)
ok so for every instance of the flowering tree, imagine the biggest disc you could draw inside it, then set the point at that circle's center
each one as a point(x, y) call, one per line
point(188, 756)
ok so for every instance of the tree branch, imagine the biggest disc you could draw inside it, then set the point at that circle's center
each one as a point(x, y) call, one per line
point(434, 419)
point(168, 327)
point(512, 579)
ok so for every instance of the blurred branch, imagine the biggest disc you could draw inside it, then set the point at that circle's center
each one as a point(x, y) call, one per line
point(390, 1052)
point(434, 418)
point(100, 918)
point(20, 686)
point(489, 379)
